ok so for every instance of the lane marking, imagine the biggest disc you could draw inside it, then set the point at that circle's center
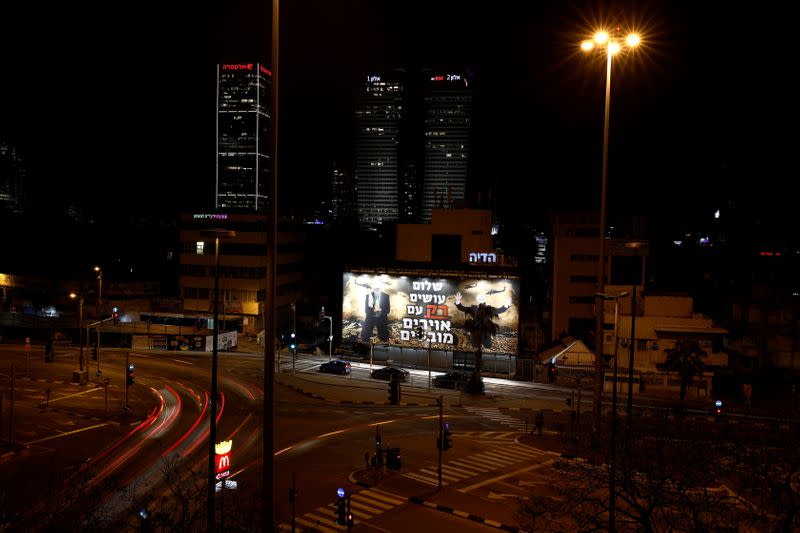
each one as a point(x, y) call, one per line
point(67, 433)
point(504, 476)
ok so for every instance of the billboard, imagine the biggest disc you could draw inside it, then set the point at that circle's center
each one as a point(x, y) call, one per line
point(415, 311)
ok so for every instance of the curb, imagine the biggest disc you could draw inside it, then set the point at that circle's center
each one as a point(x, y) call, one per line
point(464, 514)
point(90, 417)
point(351, 402)
point(445, 509)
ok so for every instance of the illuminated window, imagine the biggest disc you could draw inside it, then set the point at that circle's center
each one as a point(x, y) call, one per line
point(200, 247)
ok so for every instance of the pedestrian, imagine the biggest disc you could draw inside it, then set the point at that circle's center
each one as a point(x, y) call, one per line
point(539, 423)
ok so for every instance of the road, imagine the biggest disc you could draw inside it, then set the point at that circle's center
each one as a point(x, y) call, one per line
point(135, 460)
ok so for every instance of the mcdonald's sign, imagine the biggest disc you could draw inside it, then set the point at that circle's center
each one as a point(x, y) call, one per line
point(223, 458)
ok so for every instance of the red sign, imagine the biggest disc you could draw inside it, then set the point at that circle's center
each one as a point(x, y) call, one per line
point(223, 458)
point(248, 66)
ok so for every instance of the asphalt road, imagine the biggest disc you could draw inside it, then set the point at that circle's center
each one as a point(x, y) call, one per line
point(129, 460)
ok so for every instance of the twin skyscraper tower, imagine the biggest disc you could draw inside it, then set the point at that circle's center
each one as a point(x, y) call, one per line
point(411, 144)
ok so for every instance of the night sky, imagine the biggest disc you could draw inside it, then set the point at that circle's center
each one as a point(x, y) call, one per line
point(113, 106)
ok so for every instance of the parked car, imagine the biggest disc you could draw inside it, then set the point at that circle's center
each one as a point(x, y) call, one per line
point(388, 371)
point(454, 379)
point(335, 367)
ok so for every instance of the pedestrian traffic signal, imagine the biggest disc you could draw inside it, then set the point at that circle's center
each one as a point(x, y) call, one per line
point(553, 371)
point(341, 512)
point(394, 392)
point(131, 374)
point(446, 442)
point(292, 342)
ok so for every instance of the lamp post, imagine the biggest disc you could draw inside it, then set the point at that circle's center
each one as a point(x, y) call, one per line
point(635, 246)
point(80, 327)
point(217, 234)
point(612, 484)
point(99, 317)
point(330, 337)
point(612, 45)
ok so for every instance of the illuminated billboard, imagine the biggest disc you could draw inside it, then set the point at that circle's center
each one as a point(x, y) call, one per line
point(416, 311)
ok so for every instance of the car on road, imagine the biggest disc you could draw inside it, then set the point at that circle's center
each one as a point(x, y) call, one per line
point(335, 367)
point(388, 371)
point(454, 379)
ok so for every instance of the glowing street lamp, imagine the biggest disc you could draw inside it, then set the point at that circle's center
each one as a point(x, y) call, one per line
point(613, 44)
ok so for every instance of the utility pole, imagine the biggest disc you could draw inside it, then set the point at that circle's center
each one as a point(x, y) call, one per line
point(11, 406)
point(268, 442)
point(293, 499)
point(127, 366)
point(441, 436)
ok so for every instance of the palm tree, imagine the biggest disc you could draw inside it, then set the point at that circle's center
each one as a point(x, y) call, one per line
point(480, 327)
point(685, 359)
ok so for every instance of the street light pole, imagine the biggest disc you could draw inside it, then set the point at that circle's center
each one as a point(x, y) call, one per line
point(613, 462)
point(629, 411)
point(612, 45)
point(80, 329)
point(212, 433)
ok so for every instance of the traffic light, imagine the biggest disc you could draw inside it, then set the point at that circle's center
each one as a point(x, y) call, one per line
point(292, 341)
point(717, 409)
point(551, 375)
point(446, 442)
point(131, 377)
point(341, 511)
point(115, 315)
point(394, 392)
point(94, 353)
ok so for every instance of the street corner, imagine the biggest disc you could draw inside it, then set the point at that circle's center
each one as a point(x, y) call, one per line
point(11, 451)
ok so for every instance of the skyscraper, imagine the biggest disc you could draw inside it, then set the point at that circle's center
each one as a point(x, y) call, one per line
point(448, 121)
point(243, 116)
point(12, 177)
point(344, 197)
point(378, 117)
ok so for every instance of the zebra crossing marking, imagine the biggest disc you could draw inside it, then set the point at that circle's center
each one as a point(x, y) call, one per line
point(487, 435)
point(476, 464)
point(364, 505)
point(493, 413)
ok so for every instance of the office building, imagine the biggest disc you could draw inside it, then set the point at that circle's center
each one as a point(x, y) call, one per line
point(243, 264)
point(448, 121)
point(12, 176)
point(378, 118)
point(243, 115)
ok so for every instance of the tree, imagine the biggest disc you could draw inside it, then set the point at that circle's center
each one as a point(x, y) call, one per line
point(480, 328)
point(685, 359)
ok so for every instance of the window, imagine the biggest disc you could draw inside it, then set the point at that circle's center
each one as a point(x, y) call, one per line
point(610, 337)
point(584, 258)
point(581, 278)
point(654, 346)
point(641, 345)
point(581, 299)
point(200, 247)
point(706, 343)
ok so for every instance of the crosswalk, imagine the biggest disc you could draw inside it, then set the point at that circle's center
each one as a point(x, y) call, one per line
point(364, 505)
point(477, 464)
point(493, 413)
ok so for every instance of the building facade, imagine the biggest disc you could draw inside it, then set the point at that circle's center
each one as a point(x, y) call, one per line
point(12, 177)
point(242, 267)
point(243, 116)
point(379, 115)
point(447, 129)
